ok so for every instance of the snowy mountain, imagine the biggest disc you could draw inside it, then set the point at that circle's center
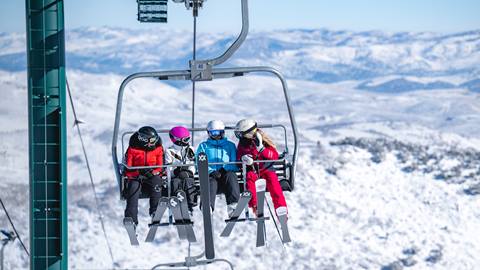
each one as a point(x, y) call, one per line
point(320, 55)
point(389, 166)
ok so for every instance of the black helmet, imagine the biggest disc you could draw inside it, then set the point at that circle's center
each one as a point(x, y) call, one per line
point(148, 137)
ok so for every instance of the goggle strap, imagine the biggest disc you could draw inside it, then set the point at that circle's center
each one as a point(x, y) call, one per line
point(250, 129)
point(184, 139)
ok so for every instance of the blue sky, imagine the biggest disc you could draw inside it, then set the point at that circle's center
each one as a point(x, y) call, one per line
point(224, 15)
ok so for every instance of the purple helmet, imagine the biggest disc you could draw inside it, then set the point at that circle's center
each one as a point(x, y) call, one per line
point(180, 135)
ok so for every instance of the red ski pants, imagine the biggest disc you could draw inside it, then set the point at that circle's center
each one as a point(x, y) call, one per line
point(273, 186)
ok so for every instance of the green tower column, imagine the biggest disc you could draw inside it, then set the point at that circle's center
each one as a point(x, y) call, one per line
point(47, 134)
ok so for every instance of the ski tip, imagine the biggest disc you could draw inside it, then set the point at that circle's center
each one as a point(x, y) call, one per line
point(261, 184)
point(286, 241)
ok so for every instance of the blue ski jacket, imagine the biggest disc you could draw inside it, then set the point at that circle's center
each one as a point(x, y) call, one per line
point(219, 151)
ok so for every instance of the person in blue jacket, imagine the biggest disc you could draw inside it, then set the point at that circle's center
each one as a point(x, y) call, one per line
point(222, 177)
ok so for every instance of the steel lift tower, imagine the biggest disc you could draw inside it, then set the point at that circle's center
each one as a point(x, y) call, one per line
point(47, 134)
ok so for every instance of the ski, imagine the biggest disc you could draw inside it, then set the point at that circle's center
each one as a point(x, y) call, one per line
point(186, 216)
point(282, 218)
point(242, 203)
point(130, 226)
point(260, 185)
point(161, 208)
point(202, 165)
point(177, 215)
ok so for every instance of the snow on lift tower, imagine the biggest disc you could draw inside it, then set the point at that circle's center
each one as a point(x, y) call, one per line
point(205, 70)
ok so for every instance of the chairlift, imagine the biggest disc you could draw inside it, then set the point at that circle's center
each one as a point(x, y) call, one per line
point(205, 70)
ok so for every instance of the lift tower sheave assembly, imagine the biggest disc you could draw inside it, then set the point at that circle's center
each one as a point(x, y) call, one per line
point(47, 134)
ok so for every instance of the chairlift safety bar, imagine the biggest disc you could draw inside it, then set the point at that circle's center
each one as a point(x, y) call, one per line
point(194, 164)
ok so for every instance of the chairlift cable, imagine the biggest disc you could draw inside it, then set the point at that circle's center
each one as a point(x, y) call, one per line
point(77, 124)
point(13, 226)
point(194, 57)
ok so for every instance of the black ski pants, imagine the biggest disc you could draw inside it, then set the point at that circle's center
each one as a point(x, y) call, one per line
point(227, 184)
point(151, 186)
point(184, 181)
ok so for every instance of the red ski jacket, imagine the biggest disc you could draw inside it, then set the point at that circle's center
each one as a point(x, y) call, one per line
point(249, 148)
point(140, 157)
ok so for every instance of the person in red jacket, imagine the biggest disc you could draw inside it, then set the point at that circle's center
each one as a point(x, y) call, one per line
point(253, 145)
point(145, 149)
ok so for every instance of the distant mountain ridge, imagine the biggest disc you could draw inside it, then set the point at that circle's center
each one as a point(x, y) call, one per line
point(309, 54)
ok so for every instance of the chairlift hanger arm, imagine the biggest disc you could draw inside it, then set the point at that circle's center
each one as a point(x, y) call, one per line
point(195, 5)
point(201, 70)
point(238, 42)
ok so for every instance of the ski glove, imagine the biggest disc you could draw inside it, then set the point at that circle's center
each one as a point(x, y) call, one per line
point(148, 173)
point(190, 153)
point(182, 172)
point(247, 159)
point(258, 139)
point(216, 175)
point(177, 171)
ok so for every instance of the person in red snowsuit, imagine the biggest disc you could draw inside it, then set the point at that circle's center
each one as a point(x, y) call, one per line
point(254, 144)
point(145, 149)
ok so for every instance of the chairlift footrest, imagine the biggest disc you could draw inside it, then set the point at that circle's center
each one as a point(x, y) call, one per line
point(246, 219)
point(183, 222)
point(158, 224)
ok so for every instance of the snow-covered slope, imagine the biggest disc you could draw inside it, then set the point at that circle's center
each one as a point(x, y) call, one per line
point(383, 180)
point(389, 164)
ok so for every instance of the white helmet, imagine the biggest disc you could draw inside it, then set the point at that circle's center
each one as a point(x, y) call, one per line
point(245, 128)
point(215, 125)
point(216, 129)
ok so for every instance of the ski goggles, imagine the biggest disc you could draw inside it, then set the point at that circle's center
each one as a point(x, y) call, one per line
point(216, 133)
point(147, 139)
point(248, 134)
point(180, 141)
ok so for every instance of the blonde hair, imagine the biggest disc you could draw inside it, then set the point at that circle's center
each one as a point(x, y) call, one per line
point(266, 139)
